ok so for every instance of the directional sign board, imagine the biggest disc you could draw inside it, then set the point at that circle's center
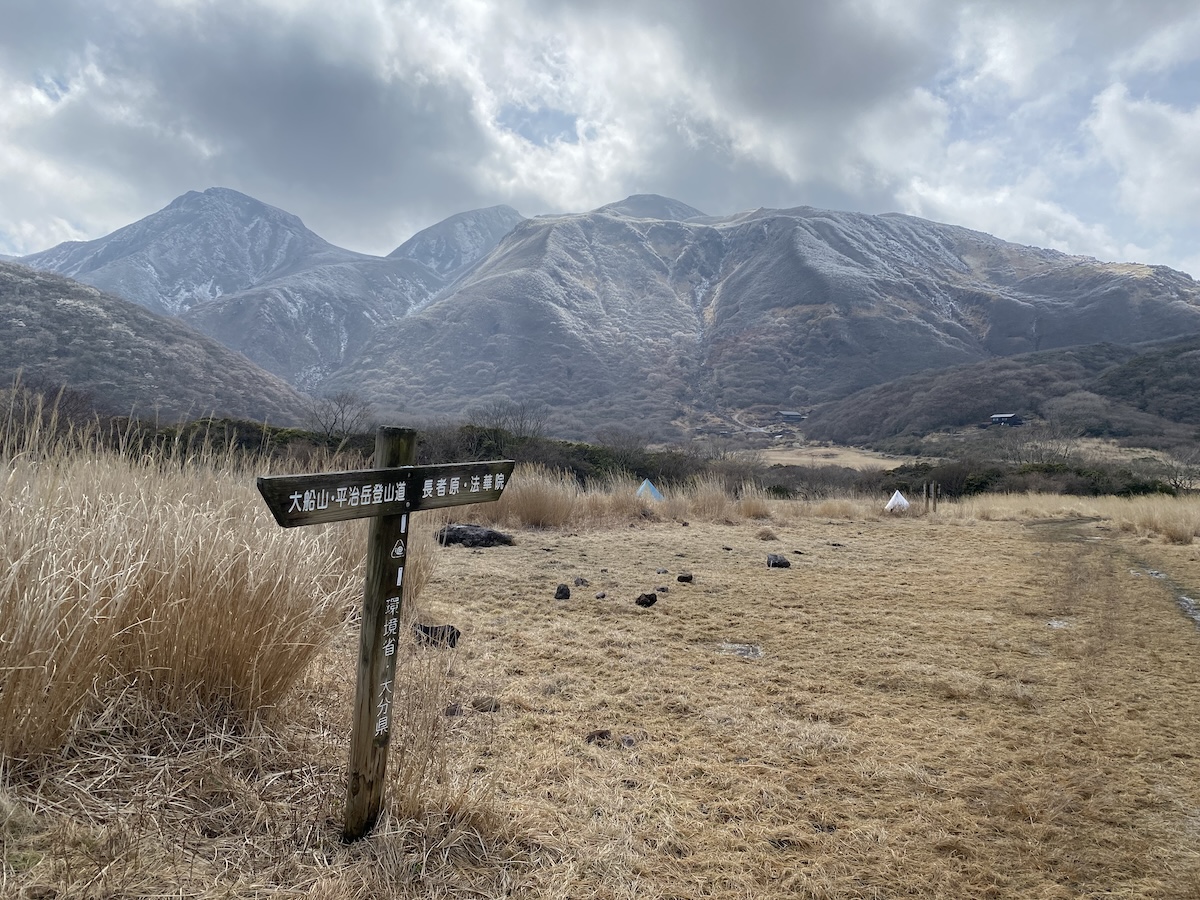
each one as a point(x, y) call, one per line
point(387, 495)
point(337, 496)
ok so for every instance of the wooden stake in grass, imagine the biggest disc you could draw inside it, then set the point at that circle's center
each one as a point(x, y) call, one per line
point(387, 494)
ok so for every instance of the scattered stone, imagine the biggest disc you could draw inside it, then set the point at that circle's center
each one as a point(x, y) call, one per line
point(473, 536)
point(580, 581)
point(746, 651)
point(662, 589)
point(604, 570)
point(437, 635)
point(685, 524)
point(600, 734)
point(836, 544)
point(562, 592)
point(726, 548)
point(628, 741)
point(646, 600)
point(601, 595)
point(454, 709)
point(775, 561)
point(798, 552)
point(684, 578)
point(485, 704)
point(660, 572)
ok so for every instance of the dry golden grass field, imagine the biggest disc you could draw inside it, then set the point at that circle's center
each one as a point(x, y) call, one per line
point(820, 455)
point(998, 700)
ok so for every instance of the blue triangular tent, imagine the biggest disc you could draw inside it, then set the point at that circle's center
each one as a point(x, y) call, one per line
point(649, 490)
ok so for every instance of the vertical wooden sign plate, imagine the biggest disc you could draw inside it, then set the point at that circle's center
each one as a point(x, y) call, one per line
point(383, 610)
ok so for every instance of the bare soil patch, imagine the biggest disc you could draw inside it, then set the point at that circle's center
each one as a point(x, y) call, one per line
point(850, 457)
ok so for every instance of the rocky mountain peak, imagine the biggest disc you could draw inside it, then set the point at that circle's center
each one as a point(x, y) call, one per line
point(651, 206)
point(454, 244)
point(165, 261)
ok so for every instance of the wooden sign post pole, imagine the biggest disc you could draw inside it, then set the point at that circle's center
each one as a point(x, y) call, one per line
point(388, 494)
point(383, 610)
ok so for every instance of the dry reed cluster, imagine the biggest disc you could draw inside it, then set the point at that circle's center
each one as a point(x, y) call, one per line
point(155, 575)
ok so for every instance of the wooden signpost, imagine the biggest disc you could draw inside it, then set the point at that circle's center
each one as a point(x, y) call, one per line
point(387, 494)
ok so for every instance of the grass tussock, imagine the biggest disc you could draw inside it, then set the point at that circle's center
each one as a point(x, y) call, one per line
point(165, 578)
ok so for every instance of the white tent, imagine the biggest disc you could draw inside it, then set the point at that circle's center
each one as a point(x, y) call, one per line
point(649, 490)
point(897, 503)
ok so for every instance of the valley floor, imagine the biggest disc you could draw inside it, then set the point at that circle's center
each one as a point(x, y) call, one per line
point(946, 706)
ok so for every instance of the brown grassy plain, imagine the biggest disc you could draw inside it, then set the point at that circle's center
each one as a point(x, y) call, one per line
point(999, 700)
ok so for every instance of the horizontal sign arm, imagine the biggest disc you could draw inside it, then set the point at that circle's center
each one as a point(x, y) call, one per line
point(361, 493)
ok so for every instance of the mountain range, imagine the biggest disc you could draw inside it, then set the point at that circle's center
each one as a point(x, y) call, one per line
point(255, 278)
point(643, 312)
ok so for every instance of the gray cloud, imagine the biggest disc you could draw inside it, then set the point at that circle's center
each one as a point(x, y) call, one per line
point(1059, 124)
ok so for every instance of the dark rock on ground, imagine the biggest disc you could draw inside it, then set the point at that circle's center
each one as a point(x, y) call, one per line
point(580, 581)
point(685, 578)
point(601, 595)
point(662, 589)
point(473, 536)
point(562, 593)
point(437, 635)
point(660, 572)
point(646, 600)
point(775, 561)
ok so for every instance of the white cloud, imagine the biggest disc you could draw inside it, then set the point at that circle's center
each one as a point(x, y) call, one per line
point(1153, 148)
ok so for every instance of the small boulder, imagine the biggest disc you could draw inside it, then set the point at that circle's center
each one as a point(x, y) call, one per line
point(562, 592)
point(775, 561)
point(437, 635)
point(580, 581)
point(685, 578)
point(473, 536)
point(660, 572)
point(646, 600)
point(601, 595)
point(662, 589)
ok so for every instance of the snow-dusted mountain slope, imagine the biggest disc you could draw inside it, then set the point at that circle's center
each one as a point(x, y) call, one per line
point(614, 318)
point(258, 280)
point(644, 310)
point(200, 247)
point(453, 245)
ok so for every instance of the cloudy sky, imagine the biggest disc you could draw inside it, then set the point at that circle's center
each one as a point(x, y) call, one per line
point(1072, 124)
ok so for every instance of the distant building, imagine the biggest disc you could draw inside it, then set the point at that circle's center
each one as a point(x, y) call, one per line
point(790, 415)
point(1007, 419)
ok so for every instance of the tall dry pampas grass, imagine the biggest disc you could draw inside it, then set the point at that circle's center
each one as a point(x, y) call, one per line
point(161, 576)
point(536, 497)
